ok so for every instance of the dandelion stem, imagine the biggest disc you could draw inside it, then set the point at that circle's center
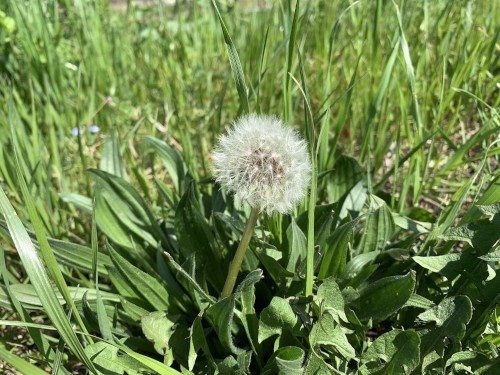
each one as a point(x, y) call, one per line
point(234, 267)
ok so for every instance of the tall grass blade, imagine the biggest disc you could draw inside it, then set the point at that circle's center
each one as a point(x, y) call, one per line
point(234, 60)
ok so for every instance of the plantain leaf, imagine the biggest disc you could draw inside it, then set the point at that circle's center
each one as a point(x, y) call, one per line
point(330, 298)
point(122, 214)
point(316, 366)
point(221, 315)
point(158, 327)
point(449, 319)
point(379, 228)
point(325, 332)
point(345, 175)
point(172, 160)
point(336, 249)
point(481, 234)
point(111, 158)
point(287, 361)
point(276, 318)
point(151, 291)
point(395, 352)
point(384, 297)
point(109, 361)
point(297, 246)
point(197, 340)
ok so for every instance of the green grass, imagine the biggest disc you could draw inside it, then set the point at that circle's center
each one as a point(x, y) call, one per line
point(399, 102)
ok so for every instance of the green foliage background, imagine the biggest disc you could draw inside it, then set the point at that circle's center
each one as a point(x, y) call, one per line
point(120, 241)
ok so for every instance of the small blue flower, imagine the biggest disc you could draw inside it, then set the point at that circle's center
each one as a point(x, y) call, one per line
point(109, 100)
point(94, 129)
point(74, 132)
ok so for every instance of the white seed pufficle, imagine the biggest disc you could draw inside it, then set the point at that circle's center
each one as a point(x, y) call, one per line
point(263, 162)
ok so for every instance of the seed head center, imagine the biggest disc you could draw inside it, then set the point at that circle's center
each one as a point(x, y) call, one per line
point(263, 166)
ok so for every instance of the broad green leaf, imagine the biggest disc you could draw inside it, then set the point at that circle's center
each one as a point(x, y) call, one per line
point(489, 197)
point(111, 157)
point(297, 246)
point(432, 361)
point(491, 210)
point(325, 217)
point(158, 327)
point(326, 332)
point(229, 366)
point(359, 268)
point(384, 297)
point(481, 234)
point(276, 317)
point(355, 200)
point(287, 361)
point(316, 366)
point(152, 291)
point(221, 315)
point(379, 228)
point(109, 361)
point(329, 297)
point(158, 367)
point(194, 234)
point(80, 201)
point(418, 301)
point(450, 265)
point(493, 256)
point(272, 266)
point(449, 320)
point(202, 295)
point(248, 316)
point(336, 250)
point(473, 363)
point(132, 312)
point(39, 278)
point(410, 224)
point(197, 341)
point(395, 352)
point(345, 175)
point(122, 213)
point(484, 301)
point(171, 158)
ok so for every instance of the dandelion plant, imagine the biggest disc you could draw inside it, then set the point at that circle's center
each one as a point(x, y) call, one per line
point(264, 163)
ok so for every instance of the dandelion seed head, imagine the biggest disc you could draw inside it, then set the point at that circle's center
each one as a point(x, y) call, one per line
point(263, 162)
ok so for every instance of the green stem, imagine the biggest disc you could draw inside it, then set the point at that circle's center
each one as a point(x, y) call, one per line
point(310, 233)
point(235, 266)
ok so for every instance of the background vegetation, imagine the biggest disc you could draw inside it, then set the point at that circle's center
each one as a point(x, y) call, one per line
point(403, 100)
